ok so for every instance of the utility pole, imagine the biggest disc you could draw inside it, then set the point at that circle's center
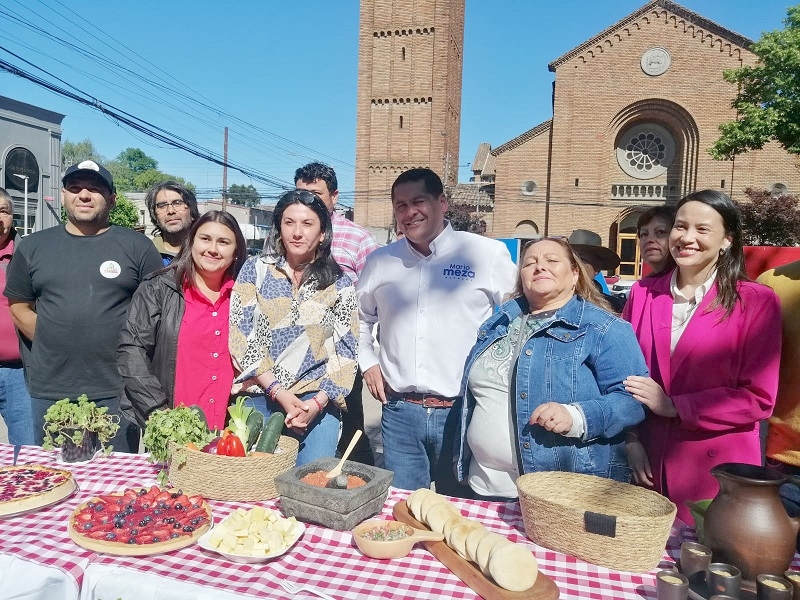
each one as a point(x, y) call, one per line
point(225, 173)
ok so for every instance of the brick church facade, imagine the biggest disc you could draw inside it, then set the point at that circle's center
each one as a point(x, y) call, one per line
point(635, 110)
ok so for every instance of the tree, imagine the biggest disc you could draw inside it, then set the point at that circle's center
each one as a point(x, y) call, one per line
point(463, 218)
point(768, 101)
point(245, 195)
point(136, 160)
point(770, 220)
point(75, 152)
point(125, 213)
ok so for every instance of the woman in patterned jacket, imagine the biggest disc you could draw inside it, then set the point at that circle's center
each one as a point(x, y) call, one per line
point(294, 326)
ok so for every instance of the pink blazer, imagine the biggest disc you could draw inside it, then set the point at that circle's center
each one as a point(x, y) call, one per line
point(722, 377)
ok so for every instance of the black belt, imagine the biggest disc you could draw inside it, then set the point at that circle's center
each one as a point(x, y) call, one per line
point(10, 364)
point(425, 400)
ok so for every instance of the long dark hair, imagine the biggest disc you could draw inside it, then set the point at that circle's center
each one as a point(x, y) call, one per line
point(186, 195)
point(584, 287)
point(183, 265)
point(730, 264)
point(323, 268)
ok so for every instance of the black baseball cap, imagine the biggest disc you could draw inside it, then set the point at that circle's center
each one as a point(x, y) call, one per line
point(89, 167)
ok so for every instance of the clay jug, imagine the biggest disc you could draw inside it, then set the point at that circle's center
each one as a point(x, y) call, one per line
point(746, 525)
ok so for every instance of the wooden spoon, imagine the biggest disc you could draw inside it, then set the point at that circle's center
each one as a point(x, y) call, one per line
point(337, 470)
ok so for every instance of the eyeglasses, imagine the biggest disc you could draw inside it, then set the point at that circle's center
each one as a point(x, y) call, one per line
point(175, 204)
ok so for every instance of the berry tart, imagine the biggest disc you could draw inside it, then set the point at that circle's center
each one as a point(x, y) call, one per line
point(25, 488)
point(140, 522)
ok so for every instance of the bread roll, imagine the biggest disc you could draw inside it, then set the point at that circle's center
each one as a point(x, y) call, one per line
point(473, 539)
point(439, 514)
point(485, 547)
point(513, 567)
point(415, 499)
point(428, 502)
point(458, 536)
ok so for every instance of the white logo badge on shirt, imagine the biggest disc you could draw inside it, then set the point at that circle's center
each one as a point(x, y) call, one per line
point(110, 269)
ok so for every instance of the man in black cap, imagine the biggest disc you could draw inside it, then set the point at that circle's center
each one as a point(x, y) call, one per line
point(69, 288)
point(589, 247)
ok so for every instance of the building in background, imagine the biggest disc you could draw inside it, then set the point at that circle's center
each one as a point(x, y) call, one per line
point(410, 59)
point(30, 163)
point(635, 110)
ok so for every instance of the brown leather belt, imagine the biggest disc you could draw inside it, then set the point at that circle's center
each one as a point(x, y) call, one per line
point(425, 400)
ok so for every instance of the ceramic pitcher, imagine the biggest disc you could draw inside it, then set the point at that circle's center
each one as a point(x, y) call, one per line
point(746, 525)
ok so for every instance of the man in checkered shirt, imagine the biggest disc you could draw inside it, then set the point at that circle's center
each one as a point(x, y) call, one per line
point(350, 246)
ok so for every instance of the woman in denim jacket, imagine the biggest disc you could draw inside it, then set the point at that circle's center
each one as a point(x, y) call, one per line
point(567, 409)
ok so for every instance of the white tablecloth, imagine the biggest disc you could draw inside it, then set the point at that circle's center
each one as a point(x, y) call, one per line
point(22, 579)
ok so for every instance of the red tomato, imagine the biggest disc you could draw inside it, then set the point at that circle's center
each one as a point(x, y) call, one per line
point(223, 444)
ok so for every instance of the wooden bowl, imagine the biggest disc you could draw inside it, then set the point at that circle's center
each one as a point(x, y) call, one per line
point(391, 548)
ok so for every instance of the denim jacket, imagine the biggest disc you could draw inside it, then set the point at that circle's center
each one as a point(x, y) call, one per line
point(579, 358)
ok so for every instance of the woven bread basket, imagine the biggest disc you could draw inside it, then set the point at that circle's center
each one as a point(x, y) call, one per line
point(236, 478)
point(601, 521)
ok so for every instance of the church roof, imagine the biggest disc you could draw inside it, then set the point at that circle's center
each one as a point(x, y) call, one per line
point(674, 8)
point(521, 139)
point(475, 193)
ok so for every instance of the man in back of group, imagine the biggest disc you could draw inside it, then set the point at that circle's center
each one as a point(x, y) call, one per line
point(350, 246)
point(429, 293)
point(15, 402)
point(173, 209)
point(69, 288)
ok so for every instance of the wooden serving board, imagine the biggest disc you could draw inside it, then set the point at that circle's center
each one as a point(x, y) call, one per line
point(544, 588)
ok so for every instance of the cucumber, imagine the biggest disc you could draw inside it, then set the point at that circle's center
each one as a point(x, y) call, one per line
point(255, 423)
point(268, 440)
point(199, 412)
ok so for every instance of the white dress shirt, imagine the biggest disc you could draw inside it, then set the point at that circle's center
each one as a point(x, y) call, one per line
point(429, 308)
point(683, 308)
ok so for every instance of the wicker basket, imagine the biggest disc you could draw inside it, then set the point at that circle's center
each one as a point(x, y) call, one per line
point(231, 477)
point(601, 521)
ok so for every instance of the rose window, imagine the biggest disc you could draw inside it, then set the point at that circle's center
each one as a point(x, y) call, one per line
point(645, 151)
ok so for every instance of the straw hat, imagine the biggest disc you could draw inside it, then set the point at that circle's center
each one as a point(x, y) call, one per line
point(588, 246)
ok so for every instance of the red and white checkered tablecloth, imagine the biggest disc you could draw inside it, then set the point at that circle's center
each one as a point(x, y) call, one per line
point(325, 558)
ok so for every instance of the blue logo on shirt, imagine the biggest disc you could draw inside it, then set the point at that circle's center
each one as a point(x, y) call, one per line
point(456, 271)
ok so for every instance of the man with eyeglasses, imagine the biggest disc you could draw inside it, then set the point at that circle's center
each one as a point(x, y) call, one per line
point(69, 288)
point(173, 209)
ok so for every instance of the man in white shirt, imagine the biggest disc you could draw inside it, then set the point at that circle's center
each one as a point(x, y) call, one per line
point(429, 292)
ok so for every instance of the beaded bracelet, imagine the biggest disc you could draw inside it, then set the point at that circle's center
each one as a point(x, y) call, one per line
point(319, 406)
point(273, 389)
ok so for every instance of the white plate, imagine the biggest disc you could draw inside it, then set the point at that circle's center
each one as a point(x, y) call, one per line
point(203, 542)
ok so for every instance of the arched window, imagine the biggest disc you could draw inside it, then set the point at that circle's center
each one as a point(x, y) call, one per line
point(401, 122)
point(403, 52)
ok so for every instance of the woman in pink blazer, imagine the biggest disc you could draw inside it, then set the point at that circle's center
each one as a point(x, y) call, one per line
point(712, 341)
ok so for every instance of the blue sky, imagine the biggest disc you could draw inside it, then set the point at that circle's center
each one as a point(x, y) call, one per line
point(282, 74)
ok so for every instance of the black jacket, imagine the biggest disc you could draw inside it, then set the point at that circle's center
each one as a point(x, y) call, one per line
point(148, 346)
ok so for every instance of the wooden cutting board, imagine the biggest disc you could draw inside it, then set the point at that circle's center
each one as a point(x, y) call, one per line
point(544, 588)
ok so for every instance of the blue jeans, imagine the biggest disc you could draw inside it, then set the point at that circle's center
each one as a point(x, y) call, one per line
point(418, 446)
point(15, 406)
point(319, 440)
point(125, 440)
point(789, 492)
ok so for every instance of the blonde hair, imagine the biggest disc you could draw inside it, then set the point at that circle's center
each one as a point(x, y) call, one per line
point(584, 287)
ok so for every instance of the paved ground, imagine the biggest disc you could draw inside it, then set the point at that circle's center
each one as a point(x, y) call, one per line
point(372, 418)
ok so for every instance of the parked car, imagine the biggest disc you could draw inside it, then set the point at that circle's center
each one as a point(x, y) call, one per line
point(622, 288)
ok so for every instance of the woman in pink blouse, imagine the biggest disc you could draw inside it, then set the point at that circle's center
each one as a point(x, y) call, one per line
point(174, 345)
point(712, 341)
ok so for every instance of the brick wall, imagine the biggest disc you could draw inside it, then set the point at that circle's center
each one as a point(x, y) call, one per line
point(409, 97)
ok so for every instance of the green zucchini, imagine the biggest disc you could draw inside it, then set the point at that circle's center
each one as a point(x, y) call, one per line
point(268, 440)
point(255, 423)
point(200, 413)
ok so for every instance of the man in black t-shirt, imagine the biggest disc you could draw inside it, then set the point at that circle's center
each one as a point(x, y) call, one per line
point(69, 288)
